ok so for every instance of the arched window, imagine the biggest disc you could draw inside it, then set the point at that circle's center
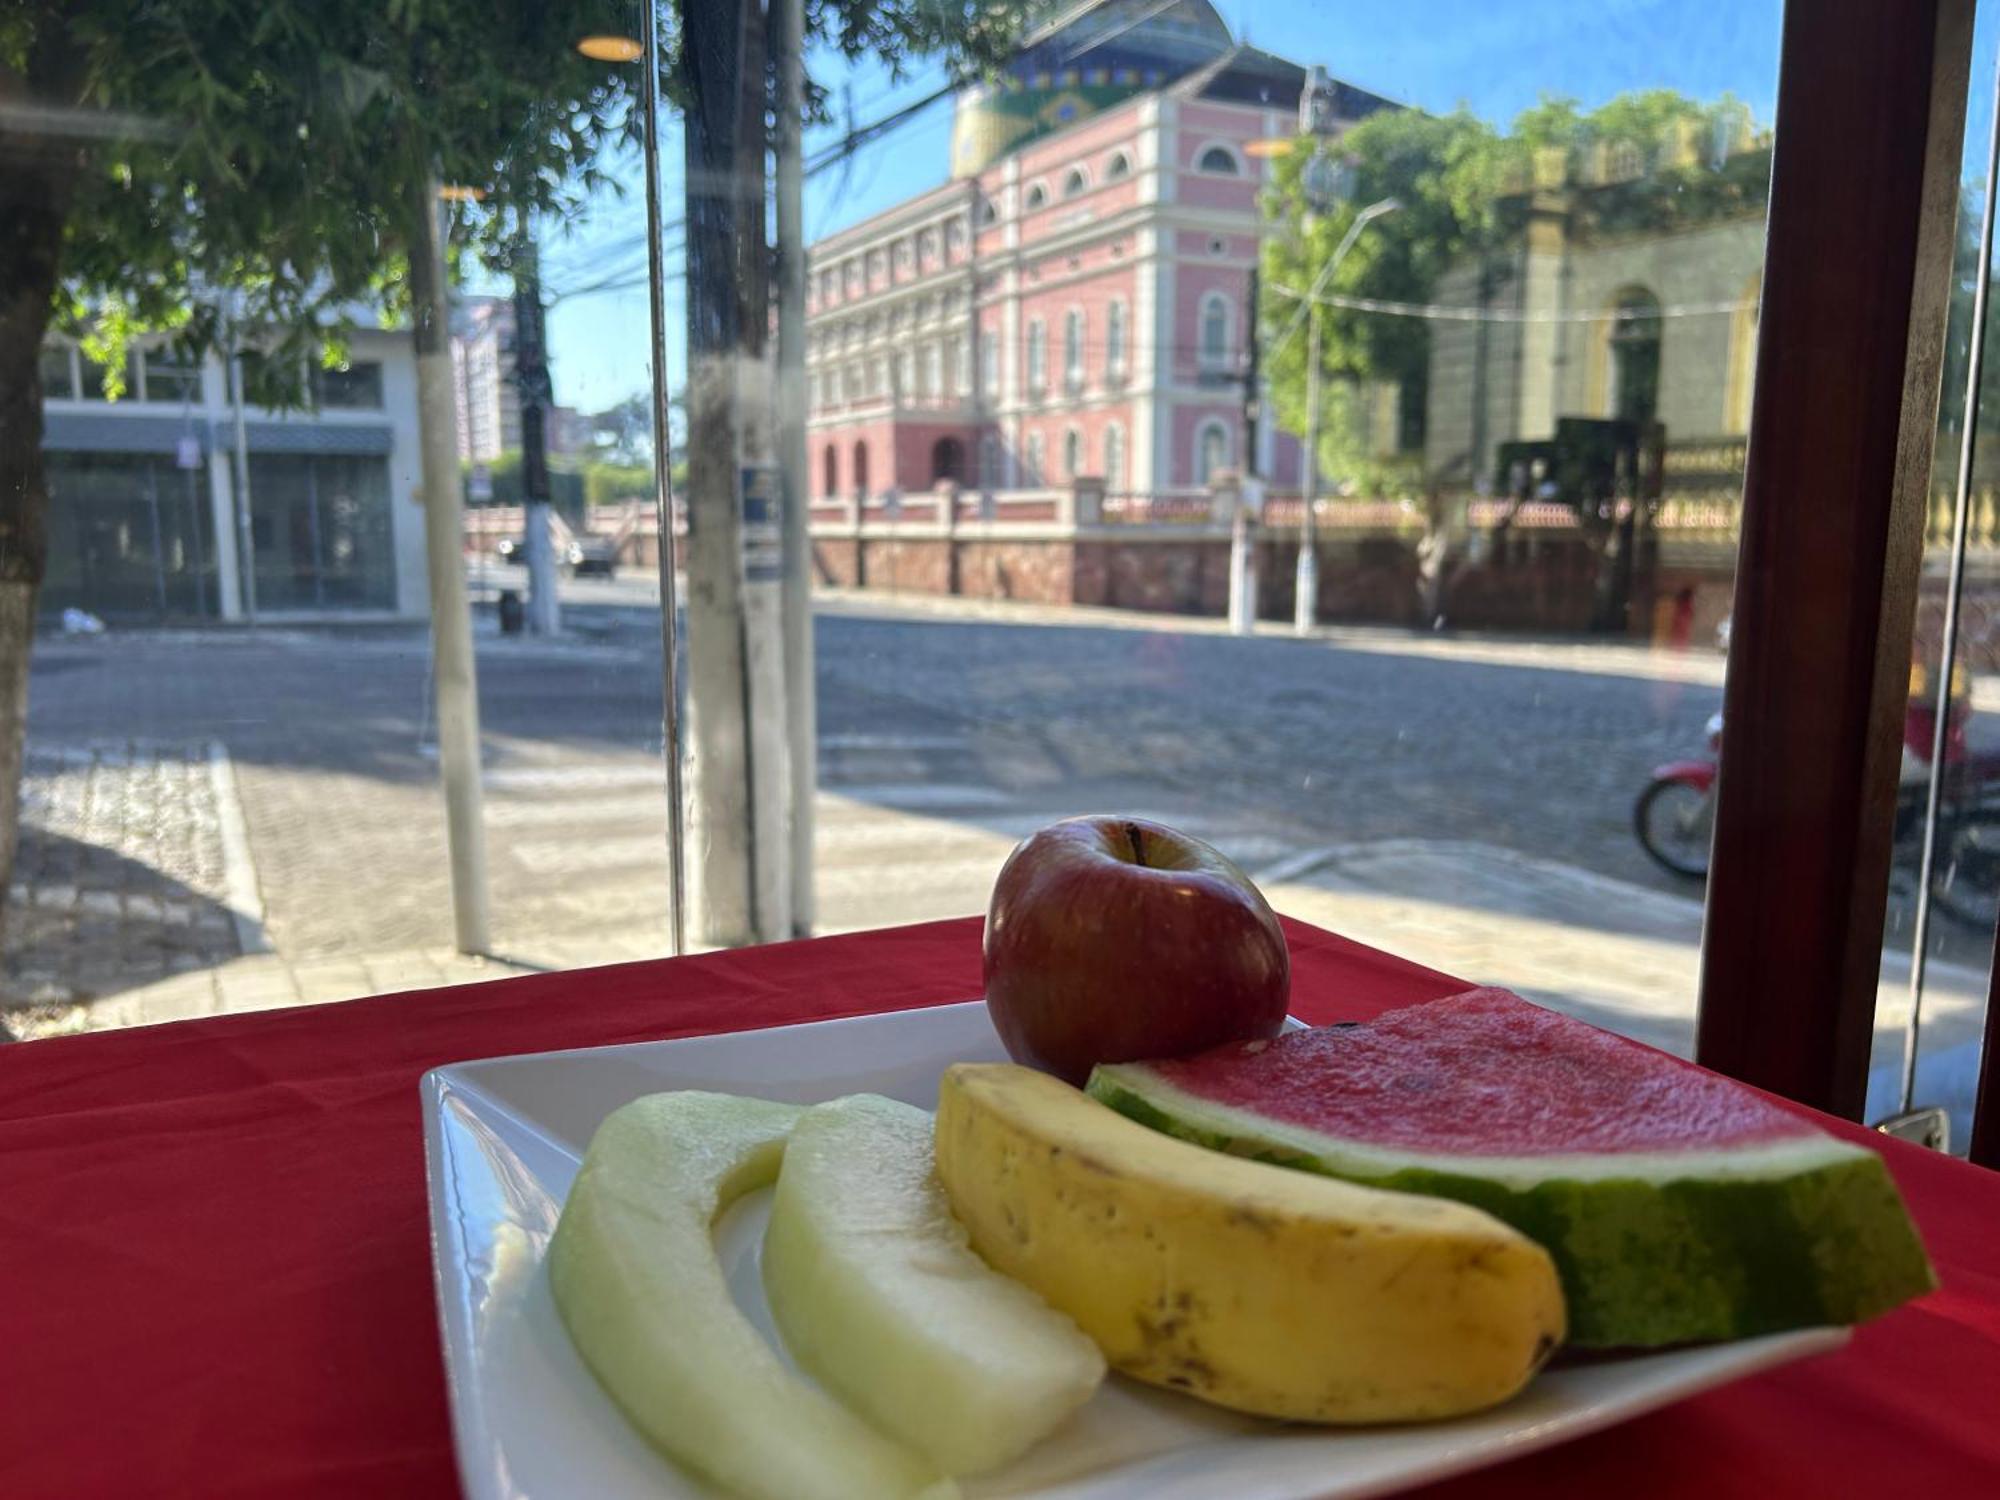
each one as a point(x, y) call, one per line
point(989, 212)
point(947, 461)
point(1114, 457)
point(1072, 453)
point(1635, 356)
point(1119, 166)
point(860, 467)
point(1037, 196)
point(1114, 340)
point(1075, 183)
point(1073, 347)
point(1215, 330)
point(1034, 474)
point(1211, 450)
point(1038, 356)
point(1218, 161)
point(829, 467)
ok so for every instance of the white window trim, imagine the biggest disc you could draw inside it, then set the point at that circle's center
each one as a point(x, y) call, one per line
point(1219, 360)
point(1117, 355)
point(1035, 454)
point(1118, 166)
point(1114, 478)
point(1195, 160)
point(1073, 444)
point(1074, 371)
point(1201, 431)
point(1037, 356)
point(1028, 193)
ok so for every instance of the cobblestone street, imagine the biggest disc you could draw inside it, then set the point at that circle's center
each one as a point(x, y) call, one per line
point(1465, 801)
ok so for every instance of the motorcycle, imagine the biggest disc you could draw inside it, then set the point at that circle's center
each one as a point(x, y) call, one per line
point(1674, 816)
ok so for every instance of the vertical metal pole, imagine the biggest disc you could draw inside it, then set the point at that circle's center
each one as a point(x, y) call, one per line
point(200, 552)
point(1305, 607)
point(788, 36)
point(159, 542)
point(246, 551)
point(313, 531)
point(663, 489)
point(1975, 362)
point(455, 671)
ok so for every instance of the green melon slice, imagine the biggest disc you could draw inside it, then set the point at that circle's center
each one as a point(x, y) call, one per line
point(1679, 1206)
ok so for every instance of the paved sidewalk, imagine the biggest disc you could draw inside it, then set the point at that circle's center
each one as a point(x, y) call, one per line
point(131, 866)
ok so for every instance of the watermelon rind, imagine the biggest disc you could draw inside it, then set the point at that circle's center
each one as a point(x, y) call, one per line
point(1653, 1248)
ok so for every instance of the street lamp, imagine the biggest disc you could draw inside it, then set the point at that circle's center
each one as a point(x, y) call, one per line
point(1305, 606)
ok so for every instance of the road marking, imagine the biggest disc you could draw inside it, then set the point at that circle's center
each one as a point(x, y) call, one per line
point(924, 795)
point(575, 778)
point(921, 742)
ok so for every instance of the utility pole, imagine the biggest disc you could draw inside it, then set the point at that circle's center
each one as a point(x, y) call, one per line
point(537, 395)
point(736, 667)
point(1305, 610)
point(454, 671)
point(1305, 605)
point(788, 39)
point(1250, 486)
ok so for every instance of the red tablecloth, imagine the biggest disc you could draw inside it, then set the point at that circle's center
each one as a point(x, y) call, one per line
point(215, 1276)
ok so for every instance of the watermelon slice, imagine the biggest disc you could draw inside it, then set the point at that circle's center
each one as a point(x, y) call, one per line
point(1679, 1206)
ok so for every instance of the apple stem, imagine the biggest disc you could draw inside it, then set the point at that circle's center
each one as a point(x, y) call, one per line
point(1138, 847)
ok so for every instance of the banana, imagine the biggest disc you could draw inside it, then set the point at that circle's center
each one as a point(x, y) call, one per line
point(1247, 1285)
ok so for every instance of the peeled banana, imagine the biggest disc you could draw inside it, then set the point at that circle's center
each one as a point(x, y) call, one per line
point(1247, 1285)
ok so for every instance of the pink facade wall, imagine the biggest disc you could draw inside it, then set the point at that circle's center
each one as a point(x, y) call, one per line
point(1092, 295)
point(1088, 272)
point(1090, 424)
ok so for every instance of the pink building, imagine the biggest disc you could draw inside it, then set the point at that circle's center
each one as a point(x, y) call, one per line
point(1073, 304)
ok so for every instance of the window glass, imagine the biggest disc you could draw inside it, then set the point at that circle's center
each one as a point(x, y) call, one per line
point(1214, 331)
point(1537, 261)
point(356, 386)
point(171, 375)
point(58, 379)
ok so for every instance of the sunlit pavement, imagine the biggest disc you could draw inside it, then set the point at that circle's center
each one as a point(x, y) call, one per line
point(1464, 802)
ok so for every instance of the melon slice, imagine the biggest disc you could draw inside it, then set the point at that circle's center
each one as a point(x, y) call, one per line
point(1679, 1206)
point(878, 1294)
point(635, 1276)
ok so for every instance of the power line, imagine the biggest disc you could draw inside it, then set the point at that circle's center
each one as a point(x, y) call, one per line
point(1442, 312)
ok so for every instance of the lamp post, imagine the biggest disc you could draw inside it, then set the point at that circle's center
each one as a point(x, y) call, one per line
point(1306, 584)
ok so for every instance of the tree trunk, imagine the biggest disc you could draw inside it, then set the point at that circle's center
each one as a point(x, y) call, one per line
point(35, 186)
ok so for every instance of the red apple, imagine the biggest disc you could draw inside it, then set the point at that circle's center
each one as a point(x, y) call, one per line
point(1116, 939)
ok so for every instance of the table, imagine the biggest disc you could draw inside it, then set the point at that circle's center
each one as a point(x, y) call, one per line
point(215, 1276)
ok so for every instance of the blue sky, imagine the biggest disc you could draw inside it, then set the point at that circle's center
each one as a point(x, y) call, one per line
point(1496, 59)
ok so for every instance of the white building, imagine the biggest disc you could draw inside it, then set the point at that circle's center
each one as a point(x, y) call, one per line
point(144, 520)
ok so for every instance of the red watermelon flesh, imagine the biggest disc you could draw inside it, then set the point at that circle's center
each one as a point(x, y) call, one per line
point(1678, 1205)
point(1495, 1076)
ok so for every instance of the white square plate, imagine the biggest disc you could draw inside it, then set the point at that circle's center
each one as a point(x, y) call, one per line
point(503, 1139)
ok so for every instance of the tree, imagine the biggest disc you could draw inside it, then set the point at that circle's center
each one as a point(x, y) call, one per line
point(1462, 189)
